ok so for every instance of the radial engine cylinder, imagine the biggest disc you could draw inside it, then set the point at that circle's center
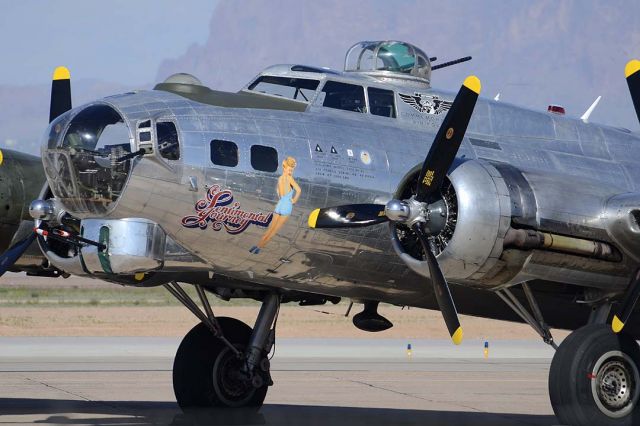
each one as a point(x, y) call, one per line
point(482, 219)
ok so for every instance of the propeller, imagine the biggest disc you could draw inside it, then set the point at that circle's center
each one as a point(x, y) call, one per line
point(633, 81)
point(440, 288)
point(348, 215)
point(14, 252)
point(59, 104)
point(631, 296)
point(630, 299)
point(414, 212)
point(447, 141)
point(60, 93)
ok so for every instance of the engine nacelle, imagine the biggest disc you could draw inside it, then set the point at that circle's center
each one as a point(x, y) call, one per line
point(482, 219)
point(622, 215)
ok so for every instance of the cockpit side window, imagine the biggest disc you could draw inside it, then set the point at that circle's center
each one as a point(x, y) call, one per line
point(381, 102)
point(344, 96)
point(299, 89)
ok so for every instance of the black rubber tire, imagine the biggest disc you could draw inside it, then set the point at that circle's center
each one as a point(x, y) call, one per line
point(557, 383)
point(193, 367)
point(569, 382)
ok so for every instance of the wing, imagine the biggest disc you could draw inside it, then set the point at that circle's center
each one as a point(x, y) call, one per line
point(414, 101)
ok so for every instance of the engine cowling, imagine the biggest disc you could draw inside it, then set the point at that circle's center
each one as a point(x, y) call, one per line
point(477, 218)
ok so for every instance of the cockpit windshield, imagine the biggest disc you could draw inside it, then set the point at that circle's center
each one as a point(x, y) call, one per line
point(299, 89)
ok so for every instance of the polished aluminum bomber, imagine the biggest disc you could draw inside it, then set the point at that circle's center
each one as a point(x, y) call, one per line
point(556, 174)
point(185, 189)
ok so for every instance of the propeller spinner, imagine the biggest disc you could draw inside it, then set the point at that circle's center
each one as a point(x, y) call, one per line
point(414, 212)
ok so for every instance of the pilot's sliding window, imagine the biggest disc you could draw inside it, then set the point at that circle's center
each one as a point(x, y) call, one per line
point(264, 158)
point(299, 89)
point(224, 153)
point(344, 96)
point(381, 102)
point(168, 143)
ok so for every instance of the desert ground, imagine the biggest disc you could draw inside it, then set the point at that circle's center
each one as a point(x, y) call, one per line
point(31, 306)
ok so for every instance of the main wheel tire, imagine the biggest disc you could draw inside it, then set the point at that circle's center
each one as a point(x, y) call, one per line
point(206, 373)
point(594, 378)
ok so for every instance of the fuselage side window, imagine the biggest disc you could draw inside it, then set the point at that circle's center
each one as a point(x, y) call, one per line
point(299, 89)
point(168, 144)
point(224, 153)
point(343, 96)
point(264, 158)
point(381, 102)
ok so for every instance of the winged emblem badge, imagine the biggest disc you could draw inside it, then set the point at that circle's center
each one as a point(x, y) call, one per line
point(427, 104)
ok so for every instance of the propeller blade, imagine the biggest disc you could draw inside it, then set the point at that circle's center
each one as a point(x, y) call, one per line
point(14, 252)
point(347, 216)
point(60, 93)
point(629, 302)
point(448, 139)
point(633, 80)
point(441, 289)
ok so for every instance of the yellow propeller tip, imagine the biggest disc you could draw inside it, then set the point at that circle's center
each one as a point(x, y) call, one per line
point(313, 218)
point(61, 73)
point(473, 83)
point(616, 324)
point(633, 66)
point(1, 157)
point(457, 336)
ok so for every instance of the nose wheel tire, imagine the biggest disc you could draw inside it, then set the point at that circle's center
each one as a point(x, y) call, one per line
point(594, 378)
point(206, 373)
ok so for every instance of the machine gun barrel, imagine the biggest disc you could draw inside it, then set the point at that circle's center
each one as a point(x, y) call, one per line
point(448, 64)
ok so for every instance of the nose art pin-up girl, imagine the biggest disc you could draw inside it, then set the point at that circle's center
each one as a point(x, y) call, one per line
point(289, 192)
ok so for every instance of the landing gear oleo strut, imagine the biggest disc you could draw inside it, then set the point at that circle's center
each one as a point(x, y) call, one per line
point(222, 362)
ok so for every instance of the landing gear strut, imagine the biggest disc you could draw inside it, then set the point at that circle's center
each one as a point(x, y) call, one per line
point(222, 362)
point(536, 321)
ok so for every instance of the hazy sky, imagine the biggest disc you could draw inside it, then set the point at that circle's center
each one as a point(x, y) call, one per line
point(533, 52)
point(116, 40)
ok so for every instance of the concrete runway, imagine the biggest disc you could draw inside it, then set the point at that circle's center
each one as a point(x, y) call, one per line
point(122, 381)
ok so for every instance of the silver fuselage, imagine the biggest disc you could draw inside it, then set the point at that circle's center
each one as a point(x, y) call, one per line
point(515, 167)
